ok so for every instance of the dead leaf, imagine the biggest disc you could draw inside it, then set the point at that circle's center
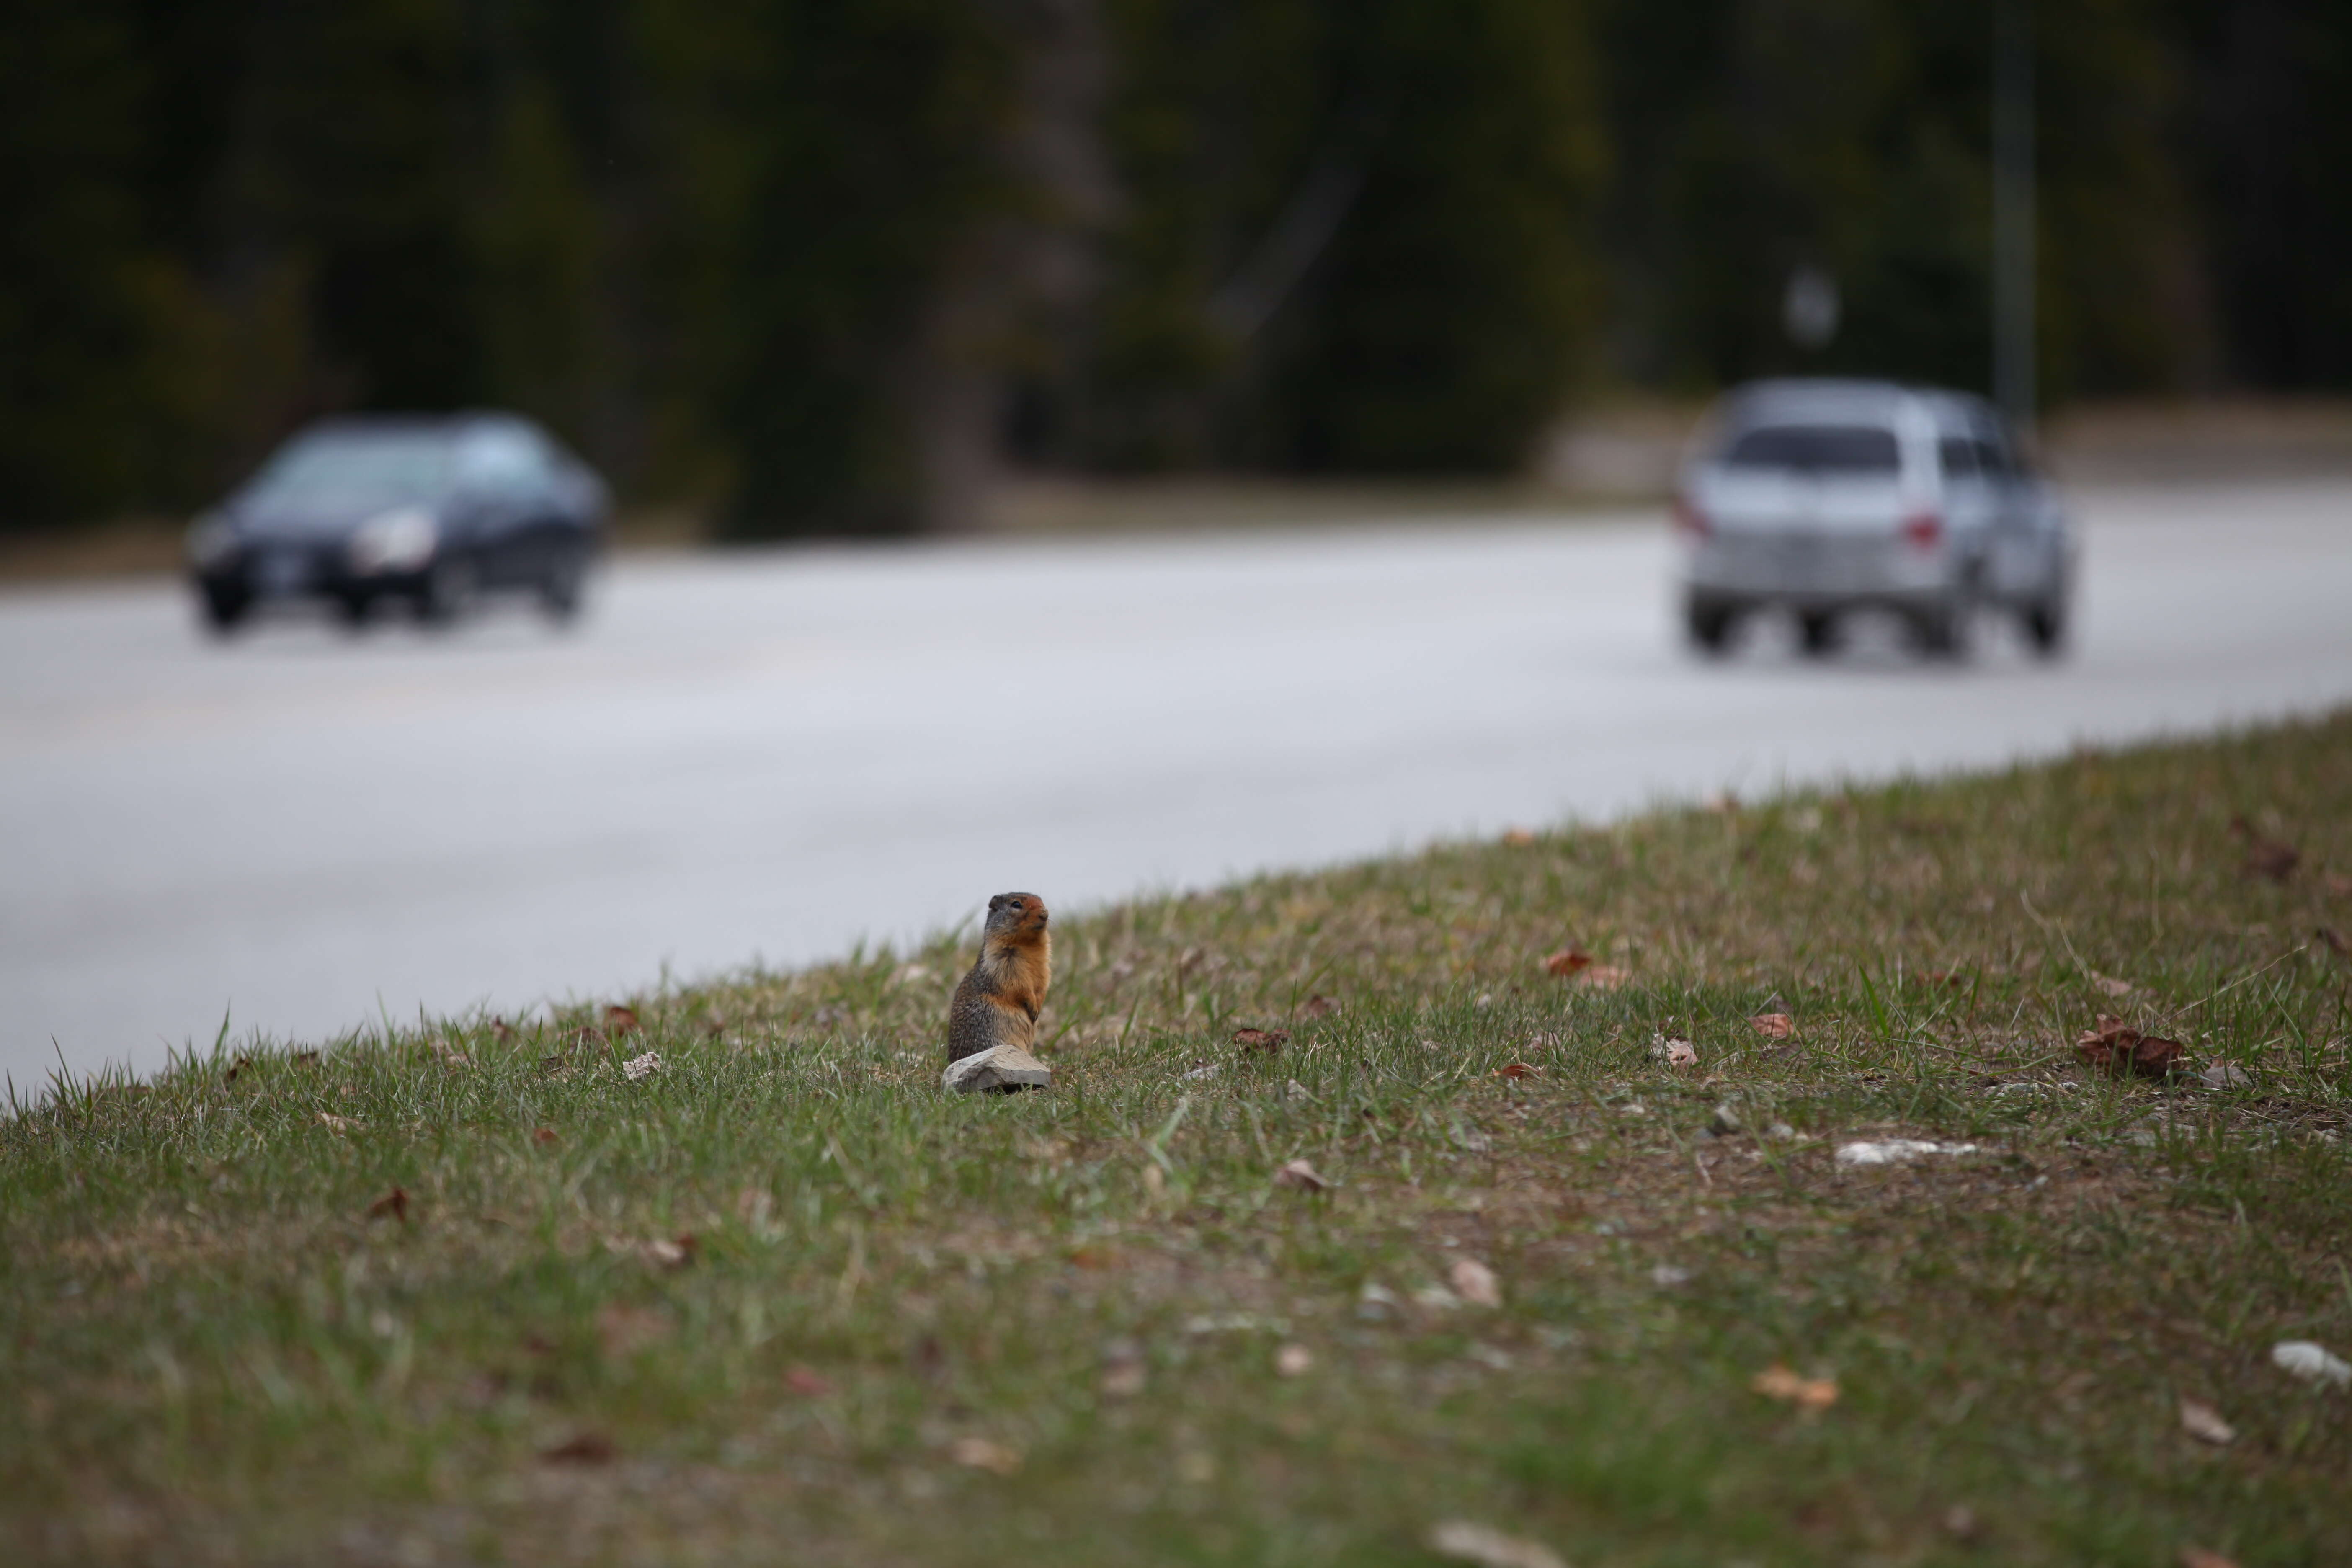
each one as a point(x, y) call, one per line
point(2110, 984)
point(807, 1384)
point(1808, 1393)
point(236, 1068)
point(587, 1449)
point(675, 1252)
point(1567, 960)
point(2114, 1047)
point(2268, 857)
point(1490, 1547)
point(545, 1138)
point(502, 1031)
point(2204, 1423)
point(2333, 941)
point(1517, 837)
point(1302, 1176)
point(1266, 1040)
point(1319, 1007)
point(306, 1058)
point(624, 1330)
point(394, 1202)
point(1774, 1026)
point(1293, 1361)
point(1606, 976)
point(1961, 1522)
point(642, 1067)
point(2339, 886)
point(1515, 1070)
point(1475, 1282)
point(980, 1454)
point(2198, 1557)
point(621, 1020)
point(334, 1123)
point(451, 1057)
point(1675, 1053)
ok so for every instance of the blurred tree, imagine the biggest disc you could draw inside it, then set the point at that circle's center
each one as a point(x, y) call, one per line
point(86, 302)
point(822, 263)
point(918, 169)
point(1757, 136)
point(1454, 311)
point(2267, 140)
point(1353, 235)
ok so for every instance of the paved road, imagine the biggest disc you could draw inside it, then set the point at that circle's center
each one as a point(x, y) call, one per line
point(770, 757)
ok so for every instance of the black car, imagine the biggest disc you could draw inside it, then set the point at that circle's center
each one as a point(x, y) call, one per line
point(431, 511)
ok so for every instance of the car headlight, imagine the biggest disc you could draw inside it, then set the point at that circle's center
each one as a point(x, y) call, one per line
point(211, 541)
point(398, 541)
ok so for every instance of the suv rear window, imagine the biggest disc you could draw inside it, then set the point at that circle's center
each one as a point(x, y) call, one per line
point(1815, 448)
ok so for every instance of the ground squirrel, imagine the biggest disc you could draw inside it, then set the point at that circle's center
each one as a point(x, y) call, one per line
point(998, 1002)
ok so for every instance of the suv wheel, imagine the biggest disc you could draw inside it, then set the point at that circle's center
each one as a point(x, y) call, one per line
point(560, 590)
point(448, 592)
point(1817, 632)
point(224, 609)
point(2045, 627)
point(1942, 631)
point(1710, 624)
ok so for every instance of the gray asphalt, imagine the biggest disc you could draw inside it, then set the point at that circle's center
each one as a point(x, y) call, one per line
point(766, 758)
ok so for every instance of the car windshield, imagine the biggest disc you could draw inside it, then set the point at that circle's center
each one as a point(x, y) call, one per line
point(375, 468)
point(1815, 448)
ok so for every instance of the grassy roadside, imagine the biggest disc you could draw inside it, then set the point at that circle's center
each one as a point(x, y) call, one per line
point(777, 1299)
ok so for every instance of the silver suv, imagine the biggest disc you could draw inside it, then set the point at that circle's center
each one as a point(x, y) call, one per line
point(1825, 496)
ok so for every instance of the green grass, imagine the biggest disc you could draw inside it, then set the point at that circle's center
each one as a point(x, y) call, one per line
point(210, 1351)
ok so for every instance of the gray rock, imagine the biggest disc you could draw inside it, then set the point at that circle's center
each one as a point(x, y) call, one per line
point(1725, 1121)
point(1005, 1070)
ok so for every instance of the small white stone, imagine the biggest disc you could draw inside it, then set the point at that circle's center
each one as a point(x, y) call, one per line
point(1896, 1150)
point(2311, 1363)
point(1002, 1070)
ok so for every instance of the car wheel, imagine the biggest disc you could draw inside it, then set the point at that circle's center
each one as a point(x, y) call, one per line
point(355, 610)
point(2045, 627)
point(559, 591)
point(449, 587)
point(1817, 632)
point(1942, 631)
point(224, 609)
point(1708, 626)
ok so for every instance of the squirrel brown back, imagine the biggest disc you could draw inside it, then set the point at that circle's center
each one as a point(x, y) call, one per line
point(999, 1001)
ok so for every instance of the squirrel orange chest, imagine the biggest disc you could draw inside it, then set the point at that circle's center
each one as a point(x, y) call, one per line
point(1022, 973)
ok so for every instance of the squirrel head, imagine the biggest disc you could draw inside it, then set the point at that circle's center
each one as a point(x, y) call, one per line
point(1015, 917)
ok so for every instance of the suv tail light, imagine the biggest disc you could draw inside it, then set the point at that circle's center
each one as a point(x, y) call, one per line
point(1689, 521)
point(1924, 530)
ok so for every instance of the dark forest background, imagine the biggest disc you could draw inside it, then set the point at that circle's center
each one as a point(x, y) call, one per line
point(827, 264)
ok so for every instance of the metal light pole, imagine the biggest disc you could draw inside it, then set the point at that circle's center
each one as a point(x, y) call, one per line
point(2013, 212)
